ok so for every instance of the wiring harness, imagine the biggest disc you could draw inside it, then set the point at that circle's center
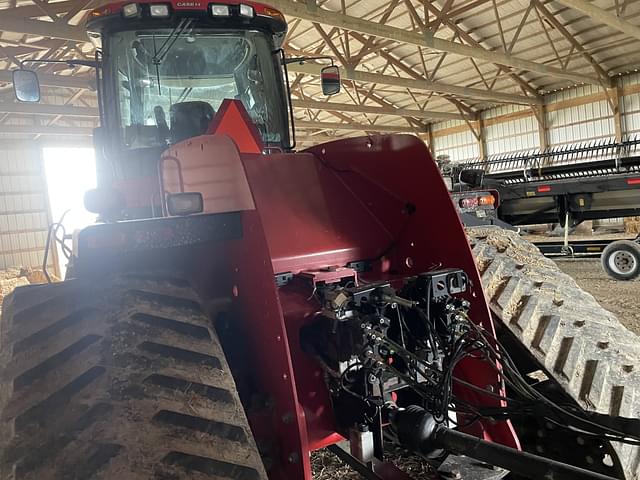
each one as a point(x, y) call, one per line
point(380, 345)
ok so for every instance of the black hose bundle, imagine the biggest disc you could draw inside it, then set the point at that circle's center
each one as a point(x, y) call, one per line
point(461, 338)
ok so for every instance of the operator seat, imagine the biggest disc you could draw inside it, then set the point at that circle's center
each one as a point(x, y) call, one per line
point(190, 119)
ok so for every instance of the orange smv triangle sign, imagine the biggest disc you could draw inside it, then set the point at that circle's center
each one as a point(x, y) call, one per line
point(233, 120)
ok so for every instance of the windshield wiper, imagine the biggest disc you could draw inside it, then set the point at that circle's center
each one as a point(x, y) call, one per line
point(178, 30)
point(160, 54)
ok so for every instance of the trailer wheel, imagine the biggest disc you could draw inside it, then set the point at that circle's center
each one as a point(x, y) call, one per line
point(621, 260)
point(125, 379)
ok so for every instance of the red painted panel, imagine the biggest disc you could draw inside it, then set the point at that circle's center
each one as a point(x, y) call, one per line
point(218, 176)
point(380, 199)
point(280, 427)
point(193, 5)
point(311, 218)
point(352, 200)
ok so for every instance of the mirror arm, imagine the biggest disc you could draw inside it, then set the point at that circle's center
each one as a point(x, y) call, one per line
point(302, 60)
point(71, 63)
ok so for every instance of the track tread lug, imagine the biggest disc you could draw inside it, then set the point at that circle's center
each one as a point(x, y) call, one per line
point(105, 381)
point(582, 346)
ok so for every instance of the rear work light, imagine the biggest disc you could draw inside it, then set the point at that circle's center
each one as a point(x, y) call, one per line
point(185, 203)
point(220, 10)
point(130, 10)
point(469, 202)
point(247, 11)
point(159, 11)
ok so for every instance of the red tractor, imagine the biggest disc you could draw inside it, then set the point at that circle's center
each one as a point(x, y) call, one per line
point(242, 304)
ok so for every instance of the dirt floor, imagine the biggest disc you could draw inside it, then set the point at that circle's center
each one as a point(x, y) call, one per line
point(326, 466)
point(620, 298)
point(12, 278)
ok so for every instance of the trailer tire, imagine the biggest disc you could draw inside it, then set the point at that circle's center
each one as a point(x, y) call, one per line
point(621, 260)
point(124, 378)
point(581, 346)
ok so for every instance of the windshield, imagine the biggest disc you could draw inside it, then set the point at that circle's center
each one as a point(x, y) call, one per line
point(169, 81)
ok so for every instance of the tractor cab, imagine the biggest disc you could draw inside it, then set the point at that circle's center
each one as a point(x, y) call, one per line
point(163, 72)
point(166, 70)
point(168, 67)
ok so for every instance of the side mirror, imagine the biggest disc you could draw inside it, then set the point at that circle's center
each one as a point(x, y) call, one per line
point(26, 85)
point(330, 78)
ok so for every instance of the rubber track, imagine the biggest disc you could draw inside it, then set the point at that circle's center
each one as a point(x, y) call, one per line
point(582, 346)
point(125, 379)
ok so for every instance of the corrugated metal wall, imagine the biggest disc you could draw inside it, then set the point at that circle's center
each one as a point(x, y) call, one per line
point(579, 123)
point(24, 209)
point(460, 145)
point(24, 212)
point(630, 106)
point(573, 116)
point(519, 134)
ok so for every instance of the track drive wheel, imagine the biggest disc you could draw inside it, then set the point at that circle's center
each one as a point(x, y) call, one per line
point(621, 260)
point(121, 379)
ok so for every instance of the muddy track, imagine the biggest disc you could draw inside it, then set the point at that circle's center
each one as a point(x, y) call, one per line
point(124, 379)
point(580, 344)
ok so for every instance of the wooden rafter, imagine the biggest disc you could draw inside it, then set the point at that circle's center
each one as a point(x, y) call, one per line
point(378, 61)
point(471, 41)
point(499, 23)
point(572, 41)
point(550, 41)
point(386, 111)
point(339, 20)
point(602, 16)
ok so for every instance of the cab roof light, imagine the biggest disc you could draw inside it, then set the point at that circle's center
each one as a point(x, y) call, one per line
point(220, 10)
point(130, 10)
point(100, 12)
point(247, 11)
point(271, 12)
point(159, 10)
